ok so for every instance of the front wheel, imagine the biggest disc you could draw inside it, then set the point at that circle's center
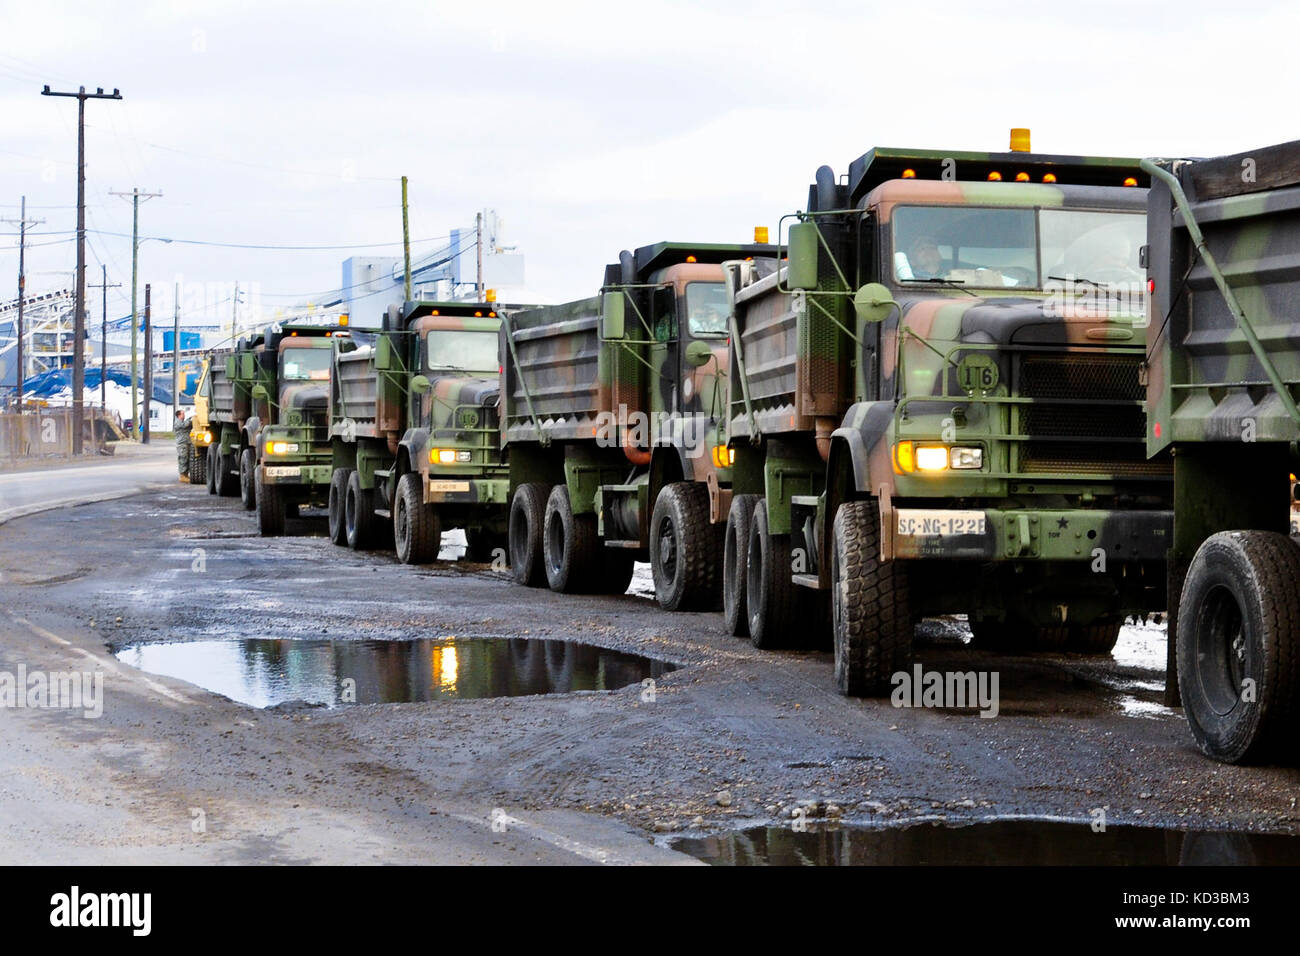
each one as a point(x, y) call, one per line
point(210, 467)
point(269, 500)
point(198, 466)
point(1239, 646)
point(870, 610)
point(684, 548)
point(359, 517)
point(416, 528)
point(247, 479)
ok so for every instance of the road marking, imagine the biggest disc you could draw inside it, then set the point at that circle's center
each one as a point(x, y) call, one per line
point(108, 664)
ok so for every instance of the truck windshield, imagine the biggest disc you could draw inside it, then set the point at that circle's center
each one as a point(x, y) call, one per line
point(1022, 248)
point(462, 349)
point(706, 308)
point(301, 364)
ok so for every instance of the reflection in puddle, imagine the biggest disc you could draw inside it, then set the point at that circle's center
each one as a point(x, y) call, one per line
point(265, 672)
point(1001, 842)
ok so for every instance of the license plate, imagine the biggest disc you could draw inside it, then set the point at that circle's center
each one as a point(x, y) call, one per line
point(917, 522)
point(283, 472)
point(449, 486)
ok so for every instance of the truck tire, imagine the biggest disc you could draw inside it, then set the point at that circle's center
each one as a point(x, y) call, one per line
point(871, 610)
point(337, 501)
point(527, 518)
point(210, 458)
point(570, 546)
point(359, 517)
point(1094, 638)
point(770, 599)
point(417, 531)
point(734, 549)
point(1239, 646)
point(248, 479)
point(198, 466)
point(684, 548)
point(227, 482)
point(269, 500)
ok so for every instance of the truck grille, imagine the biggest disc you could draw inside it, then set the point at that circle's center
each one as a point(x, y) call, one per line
point(1103, 433)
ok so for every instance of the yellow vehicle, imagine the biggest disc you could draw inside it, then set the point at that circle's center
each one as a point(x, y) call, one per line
point(199, 433)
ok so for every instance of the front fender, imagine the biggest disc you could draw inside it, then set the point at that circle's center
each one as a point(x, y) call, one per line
point(865, 427)
point(416, 444)
point(252, 431)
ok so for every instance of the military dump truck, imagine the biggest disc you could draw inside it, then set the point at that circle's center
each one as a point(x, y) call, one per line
point(1223, 372)
point(936, 407)
point(269, 419)
point(612, 415)
point(416, 448)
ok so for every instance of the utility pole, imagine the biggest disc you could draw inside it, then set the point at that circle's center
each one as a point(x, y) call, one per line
point(234, 315)
point(135, 196)
point(103, 338)
point(148, 370)
point(22, 223)
point(478, 241)
point(79, 322)
point(406, 242)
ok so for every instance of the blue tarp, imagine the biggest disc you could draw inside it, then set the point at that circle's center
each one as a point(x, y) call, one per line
point(48, 383)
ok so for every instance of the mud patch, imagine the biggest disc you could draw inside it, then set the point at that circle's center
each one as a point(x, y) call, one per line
point(265, 672)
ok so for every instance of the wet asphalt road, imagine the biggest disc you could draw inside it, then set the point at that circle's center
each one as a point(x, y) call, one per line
point(566, 778)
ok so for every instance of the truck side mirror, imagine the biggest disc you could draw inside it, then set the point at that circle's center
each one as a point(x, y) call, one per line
point(873, 303)
point(420, 384)
point(260, 393)
point(612, 315)
point(230, 367)
point(801, 272)
point(698, 354)
point(383, 354)
point(247, 365)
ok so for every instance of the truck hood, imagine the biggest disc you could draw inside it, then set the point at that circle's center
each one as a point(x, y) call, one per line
point(308, 396)
point(1022, 320)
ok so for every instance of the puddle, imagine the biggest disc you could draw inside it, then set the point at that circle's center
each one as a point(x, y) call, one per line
point(266, 672)
point(997, 843)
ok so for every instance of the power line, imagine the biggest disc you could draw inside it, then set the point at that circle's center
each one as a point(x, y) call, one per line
point(294, 248)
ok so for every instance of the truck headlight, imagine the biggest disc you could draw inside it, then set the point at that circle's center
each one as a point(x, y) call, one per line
point(281, 447)
point(449, 456)
point(911, 457)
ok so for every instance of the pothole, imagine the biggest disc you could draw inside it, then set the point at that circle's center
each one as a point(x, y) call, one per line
point(266, 672)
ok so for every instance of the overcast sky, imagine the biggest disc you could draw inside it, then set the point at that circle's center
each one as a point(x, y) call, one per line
point(589, 127)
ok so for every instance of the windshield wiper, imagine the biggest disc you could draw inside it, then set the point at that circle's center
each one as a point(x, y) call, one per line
point(954, 283)
point(1104, 286)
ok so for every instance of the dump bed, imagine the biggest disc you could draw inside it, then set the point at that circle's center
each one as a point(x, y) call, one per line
point(560, 376)
point(1204, 380)
point(368, 397)
point(228, 405)
point(795, 361)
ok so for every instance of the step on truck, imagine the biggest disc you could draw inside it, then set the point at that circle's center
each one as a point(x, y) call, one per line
point(937, 408)
point(414, 431)
point(269, 419)
point(1223, 375)
point(612, 419)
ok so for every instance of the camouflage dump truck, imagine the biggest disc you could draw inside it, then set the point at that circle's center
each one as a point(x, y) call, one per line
point(416, 447)
point(270, 419)
point(1223, 373)
point(612, 415)
point(936, 407)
